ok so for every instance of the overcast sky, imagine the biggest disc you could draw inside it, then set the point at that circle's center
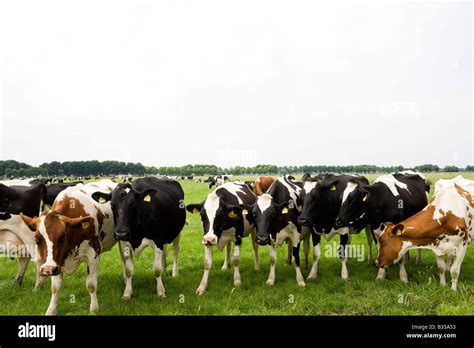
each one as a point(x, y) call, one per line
point(236, 82)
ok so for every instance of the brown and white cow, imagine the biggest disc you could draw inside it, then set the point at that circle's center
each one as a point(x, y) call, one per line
point(262, 184)
point(445, 226)
point(76, 229)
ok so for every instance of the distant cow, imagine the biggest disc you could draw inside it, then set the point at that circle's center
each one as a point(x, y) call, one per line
point(76, 229)
point(391, 198)
point(275, 214)
point(224, 221)
point(15, 237)
point(218, 180)
point(149, 212)
point(322, 201)
point(444, 226)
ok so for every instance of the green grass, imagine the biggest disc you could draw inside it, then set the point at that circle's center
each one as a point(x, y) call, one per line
point(327, 295)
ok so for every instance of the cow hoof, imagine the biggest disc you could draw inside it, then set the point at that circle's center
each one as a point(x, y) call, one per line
point(312, 276)
point(379, 279)
point(404, 281)
point(237, 283)
point(345, 278)
point(50, 312)
point(174, 274)
point(270, 282)
point(94, 312)
point(126, 297)
point(162, 295)
point(224, 268)
point(302, 285)
point(257, 268)
point(200, 291)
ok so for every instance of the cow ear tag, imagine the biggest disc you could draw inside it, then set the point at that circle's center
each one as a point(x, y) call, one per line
point(147, 198)
point(365, 197)
point(102, 200)
point(245, 211)
point(399, 233)
point(232, 214)
point(195, 210)
point(85, 225)
point(333, 188)
point(284, 210)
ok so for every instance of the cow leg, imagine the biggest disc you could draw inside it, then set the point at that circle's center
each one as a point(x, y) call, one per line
point(236, 259)
point(456, 266)
point(39, 279)
point(380, 274)
point(343, 253)
point(403, 271)
point(91, 284)
point(127, 260)
point(207, 266)
point(273, 259)
point(316, 255)
point(158, 270)
point(368, 236)
point(163, 258)
point(175, 256)
point(289, 252)
point(306, 251)
point(255, 249)
point(55, 287)
point(296, 263)
point(419, 256)
point(226, 264)
point(441, 270)
point(22, 264)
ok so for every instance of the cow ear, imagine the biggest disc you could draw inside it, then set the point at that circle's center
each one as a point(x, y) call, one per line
point(330, 185)
point(194, 208)
point(101, 197)
point(32, 223)
point(397, 230)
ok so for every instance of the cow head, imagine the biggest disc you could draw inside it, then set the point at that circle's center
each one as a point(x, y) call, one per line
point(315, 201)
point(56, 236)
point(270, 217)
point(126, 204)
point(390, 245)
point(216, 217)
point(354, 206)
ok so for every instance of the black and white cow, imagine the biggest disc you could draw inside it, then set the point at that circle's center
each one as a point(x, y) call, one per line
point(322, 199)
point(15, 237)
point(148, 212)
point(391, 198)
point(275, 214)
point(224, 221)
point(217, 180)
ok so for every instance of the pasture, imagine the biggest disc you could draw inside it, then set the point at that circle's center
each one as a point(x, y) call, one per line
point(326, 295)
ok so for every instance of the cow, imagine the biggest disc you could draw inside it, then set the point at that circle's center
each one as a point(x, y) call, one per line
point(148, 212)
point(322, 199)
point(225, 221)
point(262, 184)
point(218, 180)
point(77, 229)
point(444, 226)
point(15, 238)
point(53, 190)
point(391, 198)
point(275, 214)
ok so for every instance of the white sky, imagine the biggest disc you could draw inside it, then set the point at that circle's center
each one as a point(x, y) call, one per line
point(236, 82)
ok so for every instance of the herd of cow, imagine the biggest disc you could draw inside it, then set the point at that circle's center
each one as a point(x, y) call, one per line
point(61, 225)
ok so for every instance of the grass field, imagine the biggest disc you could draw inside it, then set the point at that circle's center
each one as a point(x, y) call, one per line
point(327, 295)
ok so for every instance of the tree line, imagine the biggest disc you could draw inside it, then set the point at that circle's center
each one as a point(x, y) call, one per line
point(15, 169)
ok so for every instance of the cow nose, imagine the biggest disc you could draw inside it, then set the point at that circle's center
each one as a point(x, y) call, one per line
point(302, 220)
point(263, 240)
point(209, 240)
point(120, 235)
point(49, 271)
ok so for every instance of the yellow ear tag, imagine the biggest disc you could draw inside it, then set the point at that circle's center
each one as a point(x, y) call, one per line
point(365, 198)
point(147, 198)
point(195, 210)
point(284, 211)
point(232, 214)
point(102, 200)
point(85, 225)
point(333, 188)
point(245, 211)
point(399, 233)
